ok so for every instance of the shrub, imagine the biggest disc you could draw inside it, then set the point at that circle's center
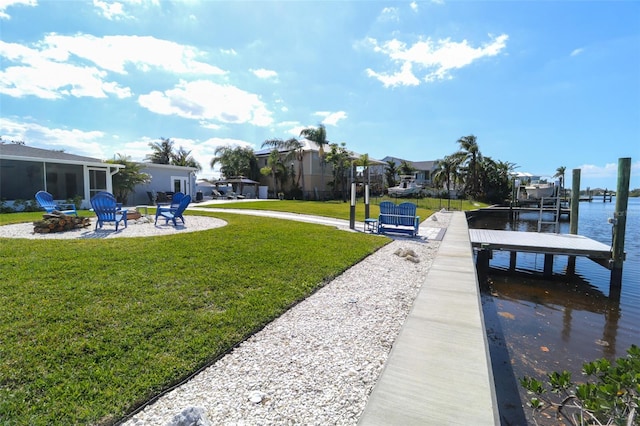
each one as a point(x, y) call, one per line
point(611, 396)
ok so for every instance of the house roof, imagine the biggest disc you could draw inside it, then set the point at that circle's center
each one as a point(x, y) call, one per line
point(307, 145)
point(418, 165)
point(238, 179)
point(424, 165)
point(29, 153)
point(312, 146)
point(167, 166)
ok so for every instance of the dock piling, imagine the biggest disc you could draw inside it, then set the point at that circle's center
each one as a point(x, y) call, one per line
point(619, 222)
point(573, 217)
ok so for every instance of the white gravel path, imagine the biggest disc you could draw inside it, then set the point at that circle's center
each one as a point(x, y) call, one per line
point(143, 227)
point(317, 363)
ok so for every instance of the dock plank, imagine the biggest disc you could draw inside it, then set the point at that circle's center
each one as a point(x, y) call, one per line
point(539, 242)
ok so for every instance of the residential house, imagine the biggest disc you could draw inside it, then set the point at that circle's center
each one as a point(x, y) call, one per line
point(313, 184)
point(424, 170)
point(165, 178)
point(25, 170)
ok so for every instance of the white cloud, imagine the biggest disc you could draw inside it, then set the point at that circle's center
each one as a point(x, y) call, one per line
point(208, 125)
point(404, 77)
point(110, 10)
point(265, 74)
point(228, 52)
point(4, 4)
point(73, 141)
point(414, 6)
point(296, 129)
point(331, 118)
point(434, 60)
point(122, 9)
point(205, 100)
point(577, 52)
point(42, 77)
point(389, 14)
point(60, 66)
point(593, 171)
point(113, 53)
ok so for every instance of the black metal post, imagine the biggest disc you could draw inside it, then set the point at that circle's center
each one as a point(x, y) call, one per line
point(352, 209)
point(366, 201)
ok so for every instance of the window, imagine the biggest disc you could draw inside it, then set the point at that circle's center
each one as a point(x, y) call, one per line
point(65, 181)
point(20, 180)
point(97, 181)
point(179, 184)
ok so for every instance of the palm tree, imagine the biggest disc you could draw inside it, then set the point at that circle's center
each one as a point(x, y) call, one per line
point(470, 159)
point(390, 172)
point(274, 168)
point(406, 168)
point(560, 174)
point(447, 173)
point(340, 160)
point(162, 151)
point(294, 149)
point(236, 161)
point(126, 179)
point(319, 136)
point(182, 157)
point(494, 179)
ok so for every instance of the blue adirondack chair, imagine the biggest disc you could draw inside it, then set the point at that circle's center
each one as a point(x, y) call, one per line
point(173, 206)
point(172, 215)
point(45, 200)
point(108, 210)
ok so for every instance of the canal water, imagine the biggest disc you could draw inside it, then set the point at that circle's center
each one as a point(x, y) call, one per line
point(536, 326)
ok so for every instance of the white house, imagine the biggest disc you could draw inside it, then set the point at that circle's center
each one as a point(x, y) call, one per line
point(164, 178)
point(25, 170)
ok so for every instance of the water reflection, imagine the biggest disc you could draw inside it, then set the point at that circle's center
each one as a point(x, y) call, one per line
point(568, 296)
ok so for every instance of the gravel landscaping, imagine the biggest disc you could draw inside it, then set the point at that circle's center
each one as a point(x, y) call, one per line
point(142, 227)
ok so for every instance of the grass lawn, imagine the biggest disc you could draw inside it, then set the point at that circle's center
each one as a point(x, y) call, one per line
point(340, 210)
point(91, 329)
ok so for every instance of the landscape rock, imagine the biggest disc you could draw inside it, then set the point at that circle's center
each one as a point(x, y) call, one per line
point(190, 416)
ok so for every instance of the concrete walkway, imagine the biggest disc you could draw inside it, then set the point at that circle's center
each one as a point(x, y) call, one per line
point(439, 370)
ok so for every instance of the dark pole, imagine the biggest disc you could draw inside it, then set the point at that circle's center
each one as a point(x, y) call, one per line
point(352, 209)
point(366, 201)
point(619, 222)
point(575, 202)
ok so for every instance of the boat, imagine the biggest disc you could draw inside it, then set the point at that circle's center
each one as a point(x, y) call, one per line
point(406, 188)
point(540, 188)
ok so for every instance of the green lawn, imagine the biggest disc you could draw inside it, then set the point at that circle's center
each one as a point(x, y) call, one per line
point(91, 329)
point(340, 210)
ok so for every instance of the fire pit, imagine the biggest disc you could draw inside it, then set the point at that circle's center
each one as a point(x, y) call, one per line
point(59, 222)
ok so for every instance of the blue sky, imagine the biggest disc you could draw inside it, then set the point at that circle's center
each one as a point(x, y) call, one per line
point(541, 84)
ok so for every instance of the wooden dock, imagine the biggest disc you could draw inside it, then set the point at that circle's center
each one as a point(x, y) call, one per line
point(524, 209)
point(487, 240)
